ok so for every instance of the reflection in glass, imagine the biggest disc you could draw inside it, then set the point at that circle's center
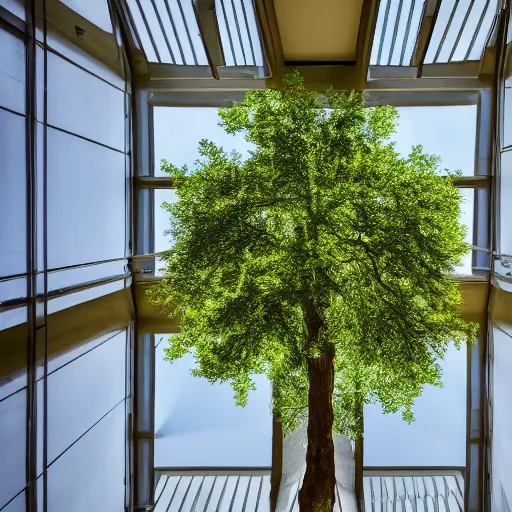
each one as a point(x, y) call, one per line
point(12, 317)
point(83, 391)
point(13, 242)
point(76, 276)
point(467, 219)
point(91, 473)
point(18, 504)
point(12, 72)
point(437, 437)
point(83, 104)
point(73, 299)
point(13, 289)
point(13, 413)
point(95, 11)
point(86, 201)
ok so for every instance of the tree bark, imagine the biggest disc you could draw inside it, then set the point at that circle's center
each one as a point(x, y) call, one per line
point(317, 492)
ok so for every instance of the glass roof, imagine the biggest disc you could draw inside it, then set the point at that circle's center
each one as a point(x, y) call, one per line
point(396, 32)
point(460, 33)
point(169, 32)
point(461, 30)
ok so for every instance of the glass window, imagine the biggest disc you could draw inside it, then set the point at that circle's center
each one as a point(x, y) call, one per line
point(17, 7)
point(81, 103)
point(467, 219)
point(91, 473)
point(95, 11)
point(239, 33)
point(18, 504)
point(507, 117)
point(13, 413)
point(13, 363)
point(109, 67)
point(437, 437)
point(12, 72)
point(461, 30)
point(11, 317)
point(86, 201)
point(182, 36)
point(502, 419)
point(176, 135)
point(396, 49)
point(13, 220)
point(75, 276)
point(83, 391)
point(13, 289)
point(505, 203)
point(67, 354)
point(94, 292)
point(215, 432)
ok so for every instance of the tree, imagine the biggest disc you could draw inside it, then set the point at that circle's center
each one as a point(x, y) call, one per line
point(322, 260)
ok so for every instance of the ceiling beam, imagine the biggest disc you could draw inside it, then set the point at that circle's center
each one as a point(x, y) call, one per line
point(208, 27)
point(272, 47)
point(428, 21)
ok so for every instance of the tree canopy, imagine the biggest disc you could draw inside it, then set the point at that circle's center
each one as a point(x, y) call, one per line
point(322, 219)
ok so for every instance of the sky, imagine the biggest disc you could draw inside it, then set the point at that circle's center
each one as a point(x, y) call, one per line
point(198, 424)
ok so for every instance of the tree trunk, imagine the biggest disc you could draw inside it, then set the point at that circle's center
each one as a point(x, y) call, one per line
point(317, 492)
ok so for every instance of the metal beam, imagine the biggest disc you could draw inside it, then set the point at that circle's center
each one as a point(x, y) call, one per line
point(272, 47)
point(208, 27)
point(428, 21)
point(430, 84)
point(182, 72)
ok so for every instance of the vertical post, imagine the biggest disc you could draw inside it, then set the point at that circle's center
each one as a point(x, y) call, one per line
point(277, 462)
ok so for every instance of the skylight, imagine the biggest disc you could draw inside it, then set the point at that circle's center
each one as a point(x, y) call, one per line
point(168, 31)
point(396, 32)
point(461, 30)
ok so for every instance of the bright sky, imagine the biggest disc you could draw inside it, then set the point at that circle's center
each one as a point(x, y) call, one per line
point(206, 428)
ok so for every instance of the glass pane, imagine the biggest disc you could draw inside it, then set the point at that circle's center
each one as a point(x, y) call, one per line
point(17, 7)
point(437, 437)
point(13, 364)
point(507, 118)
point(83, 391)
point(450, 19)
point(86, 201)
point(215, 432)
point(12, 72)
point(73, 299)
point(91, 473)
point(176, 135)
point(67, 354)
point(18, 504)
point(109, 67)
point(95, 11)
point(13, 289)
point(408, 20)
point(13, 413)
point(81, 103)
point(11, 317)
point(467, 218)
point(75, 276)
point(448, 132)
point(505, 235)
point(502, 419)
point(13, 246)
